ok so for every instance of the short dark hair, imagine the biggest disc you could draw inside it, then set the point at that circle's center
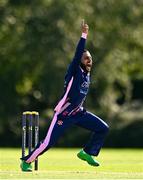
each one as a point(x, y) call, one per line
point(85, 50)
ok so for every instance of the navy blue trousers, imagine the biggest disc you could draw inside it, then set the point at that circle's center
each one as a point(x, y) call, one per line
point(61, 122)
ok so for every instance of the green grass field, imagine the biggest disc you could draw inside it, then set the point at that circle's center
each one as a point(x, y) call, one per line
point(63, 164)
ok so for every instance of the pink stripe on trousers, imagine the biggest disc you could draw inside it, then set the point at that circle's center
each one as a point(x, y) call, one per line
point(48, 136)
point(45, 143)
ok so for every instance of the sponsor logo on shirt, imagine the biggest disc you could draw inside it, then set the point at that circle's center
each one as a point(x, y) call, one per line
point(84, 87)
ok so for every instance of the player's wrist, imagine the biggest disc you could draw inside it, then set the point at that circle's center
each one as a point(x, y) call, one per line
point(84, 35)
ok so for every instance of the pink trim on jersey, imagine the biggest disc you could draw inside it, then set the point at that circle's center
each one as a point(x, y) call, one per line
point(84, 35)
point(61, 102)
point(64, 107)
point(45, 143)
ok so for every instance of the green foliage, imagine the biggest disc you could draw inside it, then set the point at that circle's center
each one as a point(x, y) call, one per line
point(38, 40)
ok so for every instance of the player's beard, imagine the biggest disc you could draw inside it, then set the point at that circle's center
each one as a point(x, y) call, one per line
point(86, 68)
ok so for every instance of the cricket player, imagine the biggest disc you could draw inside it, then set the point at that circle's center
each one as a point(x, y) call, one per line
point(70, 110)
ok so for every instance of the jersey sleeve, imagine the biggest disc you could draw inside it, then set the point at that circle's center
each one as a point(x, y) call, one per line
point(73, 66)
point(77, 56)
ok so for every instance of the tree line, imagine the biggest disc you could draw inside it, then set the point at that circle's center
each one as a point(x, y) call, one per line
point(37, 42)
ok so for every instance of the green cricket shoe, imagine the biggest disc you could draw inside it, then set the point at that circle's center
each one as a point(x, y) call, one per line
point(26, 166)
point(88, 158)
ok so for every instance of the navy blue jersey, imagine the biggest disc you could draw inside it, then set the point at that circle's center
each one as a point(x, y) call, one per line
point(76, 82)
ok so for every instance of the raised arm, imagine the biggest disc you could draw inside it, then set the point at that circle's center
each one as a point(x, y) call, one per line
point(80, 48)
